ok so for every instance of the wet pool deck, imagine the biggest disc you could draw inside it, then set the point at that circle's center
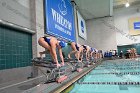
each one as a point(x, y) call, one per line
point(58, 87)
point(36, 85)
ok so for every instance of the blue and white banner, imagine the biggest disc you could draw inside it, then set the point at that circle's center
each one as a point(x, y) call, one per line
point(137, 25)
point(81, 26)
point(60, 19)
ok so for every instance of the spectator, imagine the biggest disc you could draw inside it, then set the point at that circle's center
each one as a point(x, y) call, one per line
point(121, 54)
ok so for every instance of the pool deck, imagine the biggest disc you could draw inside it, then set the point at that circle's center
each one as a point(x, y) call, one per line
point(36, 85)
point(58, 87)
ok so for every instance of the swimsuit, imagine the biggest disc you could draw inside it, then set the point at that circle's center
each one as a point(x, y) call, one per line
point(85, 47)
point(77, 47)
point(91, 49)
point(47, 40)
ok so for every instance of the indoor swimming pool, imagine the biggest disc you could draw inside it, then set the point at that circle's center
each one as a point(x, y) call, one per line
point(114, 76)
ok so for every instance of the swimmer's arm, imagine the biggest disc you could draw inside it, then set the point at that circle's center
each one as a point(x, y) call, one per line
point(61, 55)
point(81, 55)
point(86, 55)
point(91, 54)
point(53, 48)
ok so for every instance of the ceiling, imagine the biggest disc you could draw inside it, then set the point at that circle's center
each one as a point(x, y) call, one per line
point(90, 9)
point(121, 3)
point(93, 8)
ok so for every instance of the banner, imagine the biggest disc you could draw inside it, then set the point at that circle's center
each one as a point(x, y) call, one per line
point(60, 19)
point(81, 26)
point(137, 25)
point(134, 26)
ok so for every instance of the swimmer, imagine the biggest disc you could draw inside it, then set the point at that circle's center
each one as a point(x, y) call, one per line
point(92, 53)
point(77, 50)
point(87, 50)
point(51, 43)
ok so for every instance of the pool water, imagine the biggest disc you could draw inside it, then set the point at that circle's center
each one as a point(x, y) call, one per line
point(116, 76)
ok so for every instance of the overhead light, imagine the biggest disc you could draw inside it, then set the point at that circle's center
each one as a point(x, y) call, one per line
point(127, 4)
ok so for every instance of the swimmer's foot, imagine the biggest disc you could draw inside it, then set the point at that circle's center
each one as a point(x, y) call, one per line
point(69, 56)
point(62, 64)
point(58, 65)
point(79, 61)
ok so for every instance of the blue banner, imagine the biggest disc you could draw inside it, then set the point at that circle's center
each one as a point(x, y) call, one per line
point(60, 19)
point(137, 25)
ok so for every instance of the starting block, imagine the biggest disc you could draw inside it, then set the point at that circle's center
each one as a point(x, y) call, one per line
point(52, 73)
point(79, 69)
point(61, 79)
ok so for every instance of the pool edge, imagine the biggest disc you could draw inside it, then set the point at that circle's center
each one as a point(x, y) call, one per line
point(80, 75)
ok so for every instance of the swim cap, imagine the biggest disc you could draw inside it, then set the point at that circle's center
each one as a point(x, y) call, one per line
point(92, 49)
point(62, 44)
point(69, 43)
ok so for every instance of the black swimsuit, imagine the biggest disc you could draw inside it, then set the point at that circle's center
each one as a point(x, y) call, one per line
point(47, 40)
point(77, 47)
point(85, 47)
